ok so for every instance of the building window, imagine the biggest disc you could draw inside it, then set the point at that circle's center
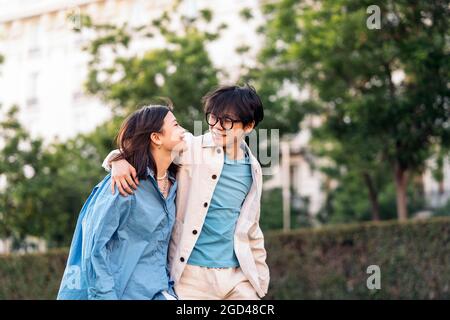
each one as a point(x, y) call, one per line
point(34, 40)
point(32, 90)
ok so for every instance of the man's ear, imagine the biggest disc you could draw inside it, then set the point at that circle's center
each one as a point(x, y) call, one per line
point(249, 127)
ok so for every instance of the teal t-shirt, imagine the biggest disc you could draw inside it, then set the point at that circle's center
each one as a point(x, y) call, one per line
point(215, 246)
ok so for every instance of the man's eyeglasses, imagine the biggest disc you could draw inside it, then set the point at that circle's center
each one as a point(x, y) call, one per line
point(226, 122)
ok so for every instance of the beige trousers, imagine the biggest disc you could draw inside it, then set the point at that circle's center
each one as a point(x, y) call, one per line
point(202, 283)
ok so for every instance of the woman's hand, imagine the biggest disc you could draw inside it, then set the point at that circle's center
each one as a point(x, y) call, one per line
point(124, 176)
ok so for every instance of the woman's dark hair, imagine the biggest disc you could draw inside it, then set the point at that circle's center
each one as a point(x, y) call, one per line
point(242, 102)
point(133, 139)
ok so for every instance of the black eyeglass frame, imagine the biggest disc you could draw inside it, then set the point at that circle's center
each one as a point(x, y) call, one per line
point(221, 120)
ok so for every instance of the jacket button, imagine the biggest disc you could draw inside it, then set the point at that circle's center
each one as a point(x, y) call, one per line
point(214, 176)
point(194, 231)
point(182, 259)
point(219, 150)
point(205, 204)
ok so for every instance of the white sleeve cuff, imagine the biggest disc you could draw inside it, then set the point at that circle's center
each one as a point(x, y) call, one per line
point(107, 162)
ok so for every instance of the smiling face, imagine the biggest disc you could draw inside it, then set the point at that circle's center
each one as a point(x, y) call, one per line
point(227, 130)
point(171, 135)
point(148, 130)
point(232, 112)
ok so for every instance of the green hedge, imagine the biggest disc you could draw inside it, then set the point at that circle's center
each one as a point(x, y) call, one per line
point(329, 263)
point(31, 276)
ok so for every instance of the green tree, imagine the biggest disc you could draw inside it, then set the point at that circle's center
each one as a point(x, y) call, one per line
point(18, 157)
point(442, 152)
point(272, 212)
point(353, 72)
point(46, 186)
point(282, 108)
point(181, 70)
point(364, 169)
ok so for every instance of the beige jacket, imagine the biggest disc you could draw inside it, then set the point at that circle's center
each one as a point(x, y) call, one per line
point(201, 166)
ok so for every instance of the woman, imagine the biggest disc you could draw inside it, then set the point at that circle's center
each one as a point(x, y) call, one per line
point(119, 249)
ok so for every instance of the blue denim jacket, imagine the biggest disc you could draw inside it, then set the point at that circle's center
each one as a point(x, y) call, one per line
point(119, 248)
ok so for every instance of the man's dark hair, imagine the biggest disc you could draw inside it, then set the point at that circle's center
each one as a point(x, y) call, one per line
point(239, 102)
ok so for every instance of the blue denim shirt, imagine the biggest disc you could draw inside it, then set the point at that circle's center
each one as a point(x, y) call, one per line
point(120, 245)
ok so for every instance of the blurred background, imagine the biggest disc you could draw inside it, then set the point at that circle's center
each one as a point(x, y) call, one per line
point(358, 92)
